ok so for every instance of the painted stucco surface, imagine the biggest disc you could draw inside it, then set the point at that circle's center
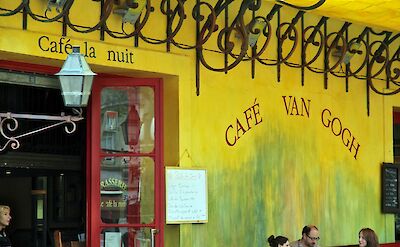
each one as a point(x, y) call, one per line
point(290, 169)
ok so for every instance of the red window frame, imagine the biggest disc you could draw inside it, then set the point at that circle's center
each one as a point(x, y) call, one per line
point(95, 225)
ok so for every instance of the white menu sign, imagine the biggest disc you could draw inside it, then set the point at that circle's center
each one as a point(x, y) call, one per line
point(186, 195)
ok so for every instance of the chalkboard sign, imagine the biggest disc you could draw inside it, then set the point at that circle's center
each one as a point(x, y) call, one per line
point(186, 195)
point(390, 188)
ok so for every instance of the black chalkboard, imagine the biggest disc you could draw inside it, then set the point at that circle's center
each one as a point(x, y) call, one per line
point(390, 188)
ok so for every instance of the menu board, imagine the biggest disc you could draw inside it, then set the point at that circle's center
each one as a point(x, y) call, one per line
point(390, 188)
point(186, 195)
point(112, 239)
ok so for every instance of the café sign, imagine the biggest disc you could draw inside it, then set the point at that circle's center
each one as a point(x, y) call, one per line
point(113, 193)
point(63, 45)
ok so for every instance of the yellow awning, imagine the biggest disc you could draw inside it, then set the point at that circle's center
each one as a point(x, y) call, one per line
point(380, 14)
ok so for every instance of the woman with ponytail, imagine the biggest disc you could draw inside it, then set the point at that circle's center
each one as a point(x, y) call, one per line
point(279, 241)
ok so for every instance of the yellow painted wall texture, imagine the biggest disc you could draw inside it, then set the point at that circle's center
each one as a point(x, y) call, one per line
point(273, 149)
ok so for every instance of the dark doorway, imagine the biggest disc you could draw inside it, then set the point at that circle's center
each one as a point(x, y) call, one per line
point(44, 179)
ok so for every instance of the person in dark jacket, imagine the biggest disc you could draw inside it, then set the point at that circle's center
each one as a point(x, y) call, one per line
point(5, 219)
point(309, 237)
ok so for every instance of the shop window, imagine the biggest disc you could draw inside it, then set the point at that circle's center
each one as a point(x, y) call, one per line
point(123, 236)
point(127, 171)
point(124, 198)
point(127, 119)
point(127, 114)
point(66, 200)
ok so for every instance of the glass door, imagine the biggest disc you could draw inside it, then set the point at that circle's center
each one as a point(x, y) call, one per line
point(39, 211)
point(126, 168)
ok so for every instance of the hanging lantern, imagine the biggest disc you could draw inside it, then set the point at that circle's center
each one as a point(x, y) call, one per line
point(76, 79)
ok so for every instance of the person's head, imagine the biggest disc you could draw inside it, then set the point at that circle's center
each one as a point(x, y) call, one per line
point(310, 235)
point(5, 216)
point(279, 241)
point(367, 238)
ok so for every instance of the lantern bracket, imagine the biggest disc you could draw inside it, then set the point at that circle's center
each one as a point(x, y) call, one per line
point(9, 124)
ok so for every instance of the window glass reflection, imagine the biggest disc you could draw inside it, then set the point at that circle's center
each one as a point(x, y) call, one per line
point(123, 236)
point(127, 115)
point(127, 190)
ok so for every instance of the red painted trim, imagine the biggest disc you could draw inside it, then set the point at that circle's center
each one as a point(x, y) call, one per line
point(96, 225)
point(396, 244)
point(27, 67)
point(95, 168)
point(396, 117)
point(39, 69)
point(160, 196)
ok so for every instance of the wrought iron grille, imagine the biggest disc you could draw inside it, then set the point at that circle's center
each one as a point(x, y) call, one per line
point(247, 36)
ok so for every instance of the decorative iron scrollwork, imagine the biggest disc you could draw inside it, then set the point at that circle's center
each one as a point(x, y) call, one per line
point(9, 124)
point(247, 35)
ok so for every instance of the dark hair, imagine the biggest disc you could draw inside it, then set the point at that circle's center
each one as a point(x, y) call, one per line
point(274, 242)
point(307, 229)
point(370, 236)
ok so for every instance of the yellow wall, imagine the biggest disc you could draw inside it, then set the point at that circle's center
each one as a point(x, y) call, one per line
point(286, 171)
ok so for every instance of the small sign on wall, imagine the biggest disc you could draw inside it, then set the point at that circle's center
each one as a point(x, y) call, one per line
point(186, 195)
point(112, 239)
point(390, 188)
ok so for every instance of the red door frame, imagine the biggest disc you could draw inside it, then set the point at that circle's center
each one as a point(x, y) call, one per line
point(27, 67)
point(95, 225)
